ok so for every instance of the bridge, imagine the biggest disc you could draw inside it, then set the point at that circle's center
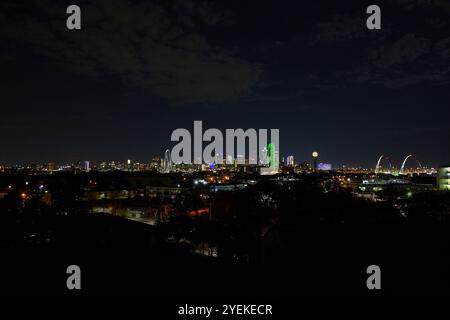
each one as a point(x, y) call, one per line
point(378, 167)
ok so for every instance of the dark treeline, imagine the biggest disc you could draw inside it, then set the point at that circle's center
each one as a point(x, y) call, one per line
point(291, 232)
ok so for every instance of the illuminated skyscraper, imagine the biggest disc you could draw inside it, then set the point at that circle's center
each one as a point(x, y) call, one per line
point(218, 159)
point(274, 162)
point(290, 161)
point(51, 167)
point(273, 156)
point(87, 166)
point(263, 156)
point(443, 178)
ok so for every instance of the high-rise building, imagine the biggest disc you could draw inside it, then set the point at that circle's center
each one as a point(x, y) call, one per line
point(87, 166)
point(51, 166)
point(263, 156)
point(229, 159)
point(274, 160)
point(155, 163)
point(290, 161)
point(218, 159)
point(443, 178)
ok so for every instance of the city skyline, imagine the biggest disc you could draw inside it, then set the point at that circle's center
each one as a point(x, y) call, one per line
point(289, 159)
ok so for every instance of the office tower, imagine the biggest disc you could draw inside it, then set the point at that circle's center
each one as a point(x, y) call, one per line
point(290, 161)
point(443, 178)
point(87, 166)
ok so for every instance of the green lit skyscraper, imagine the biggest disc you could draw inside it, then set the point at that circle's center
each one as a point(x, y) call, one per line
point(273, 158)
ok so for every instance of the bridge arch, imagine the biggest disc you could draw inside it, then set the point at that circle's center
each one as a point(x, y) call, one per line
point(167, 162)
point(377, 167)
point(402, 169)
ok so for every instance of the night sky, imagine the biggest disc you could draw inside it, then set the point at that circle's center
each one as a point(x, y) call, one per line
point(137, 70)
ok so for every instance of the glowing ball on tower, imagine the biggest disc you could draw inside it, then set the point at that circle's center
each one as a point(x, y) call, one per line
point(315, 155)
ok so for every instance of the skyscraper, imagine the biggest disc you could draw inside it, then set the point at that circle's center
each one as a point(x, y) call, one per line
point(443, 178)
point(263, 156)
point(51, 167)
point(290, 161)
point(87, 166)
point(229, 159)
point(274, 162)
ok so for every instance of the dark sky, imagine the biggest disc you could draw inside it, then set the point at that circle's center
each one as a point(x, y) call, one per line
point(140, 69)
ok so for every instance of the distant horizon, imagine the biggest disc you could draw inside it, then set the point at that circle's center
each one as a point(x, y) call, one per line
point(143, 161)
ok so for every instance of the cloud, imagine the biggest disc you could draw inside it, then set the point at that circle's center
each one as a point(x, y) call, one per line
point(408, 61)
point(443, 48)
point(409, 50)
point(405, 50)
point(340, 27)
point(389, 59)
point(414, 79)
point(420, 4)
point(154, 47)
